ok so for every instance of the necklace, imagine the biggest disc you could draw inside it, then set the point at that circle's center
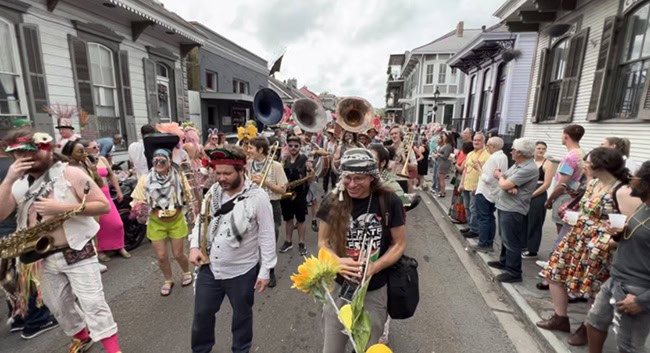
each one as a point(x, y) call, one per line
point(642, 208)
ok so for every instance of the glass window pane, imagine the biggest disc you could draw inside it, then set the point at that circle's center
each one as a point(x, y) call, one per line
point(636, 29)
point(106, 58)
point(9, 100)
point(6, 54)
point(560, 53)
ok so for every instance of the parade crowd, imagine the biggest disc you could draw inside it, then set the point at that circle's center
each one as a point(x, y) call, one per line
point(226, 202)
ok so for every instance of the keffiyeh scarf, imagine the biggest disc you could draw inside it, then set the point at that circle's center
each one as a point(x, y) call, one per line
point(161, 189)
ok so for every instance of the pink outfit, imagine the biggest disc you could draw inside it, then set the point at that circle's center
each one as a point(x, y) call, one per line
point(111, 231)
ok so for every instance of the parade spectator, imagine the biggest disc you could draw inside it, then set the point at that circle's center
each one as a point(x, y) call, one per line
point(422, 156)
point(457, 211)
point(623, 145)
point(433, 148)
point(517, 185)
point(580, 263)
point(487, 193)
point(136, 152)
point(341, 233)
point(443, 154)
point(629, 285)
point(469, 182)
point(537, 214)
point(107, 145)
point(468, 135)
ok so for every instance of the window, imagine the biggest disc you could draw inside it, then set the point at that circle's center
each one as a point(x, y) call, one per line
point(210, 81)
point(471, 98)
point(239, 86)
point(634, 63)
point(102, 70)
point(559, 58)
point(12, 91)
point(429, 80)
point(454, 75)
point(162, 82)
point(442, 73)
point(485, 99)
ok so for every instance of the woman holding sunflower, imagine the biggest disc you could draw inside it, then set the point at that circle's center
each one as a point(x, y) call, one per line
point(362, 226)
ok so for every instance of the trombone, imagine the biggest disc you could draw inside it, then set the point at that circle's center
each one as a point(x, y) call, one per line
point(269, 162)
point(409, 140)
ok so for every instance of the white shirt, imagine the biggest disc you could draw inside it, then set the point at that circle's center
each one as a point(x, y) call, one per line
point(139, 160)
point(488, 185)
point(258, 241)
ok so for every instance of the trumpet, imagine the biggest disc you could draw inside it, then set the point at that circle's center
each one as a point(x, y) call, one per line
point(269, 162)
point(409, 140)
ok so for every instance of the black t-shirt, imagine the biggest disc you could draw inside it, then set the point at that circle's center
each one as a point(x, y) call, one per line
point(374, 226)
point(296, 170)
point(7, 226)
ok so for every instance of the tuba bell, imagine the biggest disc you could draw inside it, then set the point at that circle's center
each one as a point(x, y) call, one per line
point(309, 115)
point(268, 107)
point(354, 114)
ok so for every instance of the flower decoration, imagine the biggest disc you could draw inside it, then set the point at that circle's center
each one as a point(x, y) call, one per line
point(247, 132)
point(140, 212)
point(345, 316)
point(41, 137)
point(316, 275)
point(379, 348)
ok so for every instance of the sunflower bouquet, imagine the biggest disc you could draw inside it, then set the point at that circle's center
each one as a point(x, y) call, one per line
point(316, 277)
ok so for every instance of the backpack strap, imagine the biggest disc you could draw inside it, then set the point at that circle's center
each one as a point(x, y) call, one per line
point(385, 216)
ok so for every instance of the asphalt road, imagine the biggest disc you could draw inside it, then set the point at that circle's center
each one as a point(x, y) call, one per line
point(452, 317)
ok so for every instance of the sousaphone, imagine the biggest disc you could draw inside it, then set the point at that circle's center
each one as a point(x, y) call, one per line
point(354, 114)
point(268, 107)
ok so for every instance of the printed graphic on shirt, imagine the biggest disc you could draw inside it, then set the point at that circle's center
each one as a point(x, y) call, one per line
point(373, 229)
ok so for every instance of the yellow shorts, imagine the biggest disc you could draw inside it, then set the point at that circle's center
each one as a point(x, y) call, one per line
point(161, 230)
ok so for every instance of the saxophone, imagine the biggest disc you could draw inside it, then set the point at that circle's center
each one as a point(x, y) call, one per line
point(293, 184)
point(32, 239)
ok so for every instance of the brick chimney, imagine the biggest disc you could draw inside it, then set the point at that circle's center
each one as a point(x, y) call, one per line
point(459, 29)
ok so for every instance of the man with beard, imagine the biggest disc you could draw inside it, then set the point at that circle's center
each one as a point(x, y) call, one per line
point(71, 279)
point(240, 251)
point(295, 168)
point(624, 298)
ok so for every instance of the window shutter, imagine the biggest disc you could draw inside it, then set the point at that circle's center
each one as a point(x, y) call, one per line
point(127, 99)
point(570, 83)
point(35, 80)
point(152, 90)
point(542, 84)
point(606, 62)
point(180, 96)
point(81, 71)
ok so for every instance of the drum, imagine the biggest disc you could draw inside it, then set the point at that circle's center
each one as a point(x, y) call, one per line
point(322, 166)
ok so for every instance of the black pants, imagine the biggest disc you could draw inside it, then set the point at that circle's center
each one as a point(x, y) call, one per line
point(330, 178)
point(210, 293)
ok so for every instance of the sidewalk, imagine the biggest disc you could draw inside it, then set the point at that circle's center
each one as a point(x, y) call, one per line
point(533, 303)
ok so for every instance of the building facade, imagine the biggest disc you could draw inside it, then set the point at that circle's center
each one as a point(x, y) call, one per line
point(229, 77)
point(121, 61)
point(433, 91)
point(590, 68)
point(393, 112)
point(498, 66)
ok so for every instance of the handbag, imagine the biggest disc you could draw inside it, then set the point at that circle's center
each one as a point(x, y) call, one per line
point(402, 278)
point(572, 205)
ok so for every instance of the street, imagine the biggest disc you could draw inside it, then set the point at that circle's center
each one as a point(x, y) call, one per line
point(453, 316)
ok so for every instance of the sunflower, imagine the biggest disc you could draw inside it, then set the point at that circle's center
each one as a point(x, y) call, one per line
point(379, 348)
point(316, 274)
point(345, 316)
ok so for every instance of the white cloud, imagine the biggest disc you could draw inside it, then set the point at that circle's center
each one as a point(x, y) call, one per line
point(337, 46)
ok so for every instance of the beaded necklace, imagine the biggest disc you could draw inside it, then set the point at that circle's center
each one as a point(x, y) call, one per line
point(641, 208)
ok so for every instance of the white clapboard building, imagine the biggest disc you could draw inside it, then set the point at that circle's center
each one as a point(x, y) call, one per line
point(121, 61)
point(591, 65)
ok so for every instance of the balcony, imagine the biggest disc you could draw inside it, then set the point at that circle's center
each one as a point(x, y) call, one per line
point(462, 123)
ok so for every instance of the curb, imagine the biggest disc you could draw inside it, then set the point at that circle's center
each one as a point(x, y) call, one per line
point(547, 339)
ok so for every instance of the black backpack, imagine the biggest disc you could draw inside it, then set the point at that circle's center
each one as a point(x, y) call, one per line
point(403, 280)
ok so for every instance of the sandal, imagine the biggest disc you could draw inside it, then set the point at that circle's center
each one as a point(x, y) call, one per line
point(125, 254)
point(542, 286)
point(188, 279)
point(103, 257)
point(166, 288)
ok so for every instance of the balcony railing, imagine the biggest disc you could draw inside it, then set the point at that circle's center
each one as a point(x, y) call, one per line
point(461, 123)
point(108, 126)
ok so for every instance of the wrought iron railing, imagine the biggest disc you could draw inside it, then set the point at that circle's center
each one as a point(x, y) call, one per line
point(461, 123)
point(109, 126)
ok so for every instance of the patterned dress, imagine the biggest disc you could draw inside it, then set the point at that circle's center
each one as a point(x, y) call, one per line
point(582, 259)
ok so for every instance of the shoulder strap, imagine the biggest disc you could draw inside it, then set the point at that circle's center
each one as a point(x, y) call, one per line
point(614, 198)
point(385, 215)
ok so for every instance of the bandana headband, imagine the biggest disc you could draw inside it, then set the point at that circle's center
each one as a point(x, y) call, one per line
point(221, 156)
point(39, 141)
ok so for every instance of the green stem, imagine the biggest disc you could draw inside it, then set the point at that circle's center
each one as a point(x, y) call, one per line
point(338, 313)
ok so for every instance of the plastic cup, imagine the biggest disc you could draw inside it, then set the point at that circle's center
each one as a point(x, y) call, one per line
point(572, 217)
point(617, 220)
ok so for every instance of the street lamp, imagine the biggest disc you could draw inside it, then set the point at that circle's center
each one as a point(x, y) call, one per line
point(436, 94)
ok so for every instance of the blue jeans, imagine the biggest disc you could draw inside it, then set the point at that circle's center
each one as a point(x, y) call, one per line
point(210, 293)
point(469, 201)
point(436, 182)
point(487, 226)
point(512, 239)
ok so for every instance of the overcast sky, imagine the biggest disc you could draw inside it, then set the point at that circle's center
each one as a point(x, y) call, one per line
point(339, 46)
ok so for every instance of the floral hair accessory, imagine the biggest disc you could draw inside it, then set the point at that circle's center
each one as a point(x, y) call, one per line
point(38, 141)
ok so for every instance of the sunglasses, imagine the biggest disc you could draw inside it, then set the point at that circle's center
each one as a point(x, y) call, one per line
point(94, 148)
point(159, 162)
point(294, 146)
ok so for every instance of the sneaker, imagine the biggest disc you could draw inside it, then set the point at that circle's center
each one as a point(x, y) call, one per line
point(314, 225)
point(541, 263)
point(470, 235)
point(272, 280)
point(496, 264)
point(528, 255)
point(17, 324)
point(79, 346)
point(301, 249)
point(286, 247)
point(508, 278)
point(102, 268)
point(465, 230)
point(483, 248)
point(29, 333)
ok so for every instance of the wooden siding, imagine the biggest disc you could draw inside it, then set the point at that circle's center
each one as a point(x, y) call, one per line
point(518, 81)
point(593, 16)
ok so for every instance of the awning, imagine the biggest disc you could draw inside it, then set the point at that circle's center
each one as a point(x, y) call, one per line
point(227, 96)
